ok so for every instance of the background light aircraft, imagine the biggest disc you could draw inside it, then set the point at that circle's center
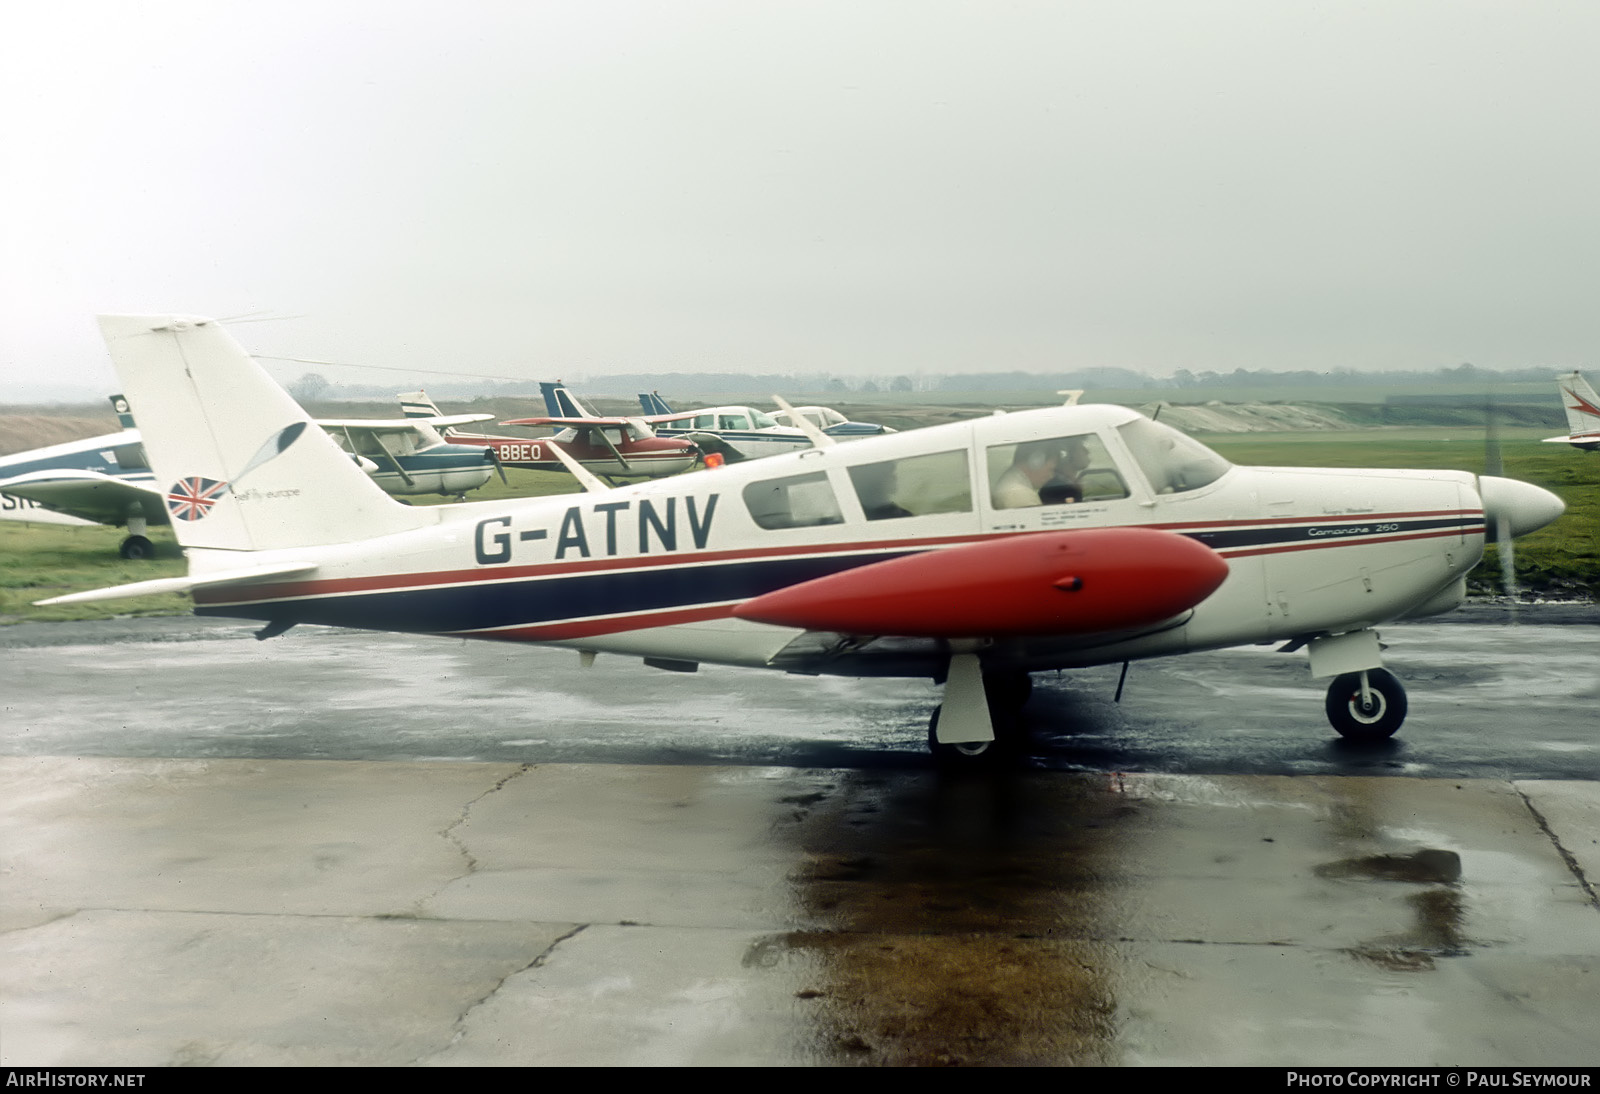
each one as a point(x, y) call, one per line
point(744, 433)
point(601, 445)
point(936, 552)
point(98, 480)
point(830, 421)
point(1583, 412)
point(409, 456)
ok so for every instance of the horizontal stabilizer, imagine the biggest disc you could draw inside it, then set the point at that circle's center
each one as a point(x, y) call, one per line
point(180, 584)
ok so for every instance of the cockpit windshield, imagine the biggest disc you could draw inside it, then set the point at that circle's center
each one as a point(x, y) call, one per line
point(1172, 461)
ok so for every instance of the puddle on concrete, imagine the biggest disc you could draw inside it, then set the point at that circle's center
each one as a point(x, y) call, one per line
point(957, 922)
point(1425, 866)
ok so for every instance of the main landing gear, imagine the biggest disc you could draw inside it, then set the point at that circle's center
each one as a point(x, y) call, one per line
point(137, 547)
point(980, 723)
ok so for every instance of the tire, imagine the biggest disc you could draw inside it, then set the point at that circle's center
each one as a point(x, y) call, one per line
point(1378, 723)
point(137, 547)
point(1003, 751)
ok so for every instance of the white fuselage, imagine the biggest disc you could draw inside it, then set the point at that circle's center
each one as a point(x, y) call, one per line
point(654, 569)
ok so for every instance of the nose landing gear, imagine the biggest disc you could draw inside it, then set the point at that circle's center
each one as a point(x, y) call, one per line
point(1366, 706)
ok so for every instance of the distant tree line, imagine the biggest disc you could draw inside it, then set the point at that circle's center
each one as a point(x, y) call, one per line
point(315, 387)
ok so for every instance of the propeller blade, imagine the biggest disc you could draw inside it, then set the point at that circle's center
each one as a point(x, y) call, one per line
point(1494, 465)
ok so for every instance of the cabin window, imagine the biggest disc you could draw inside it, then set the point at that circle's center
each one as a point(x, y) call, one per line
point(1173, 462)
point(914, 487)
point(1055, 471)
point(798, 501)
point(733, 421)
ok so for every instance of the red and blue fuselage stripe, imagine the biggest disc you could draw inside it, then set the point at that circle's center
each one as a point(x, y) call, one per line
point(594, 596)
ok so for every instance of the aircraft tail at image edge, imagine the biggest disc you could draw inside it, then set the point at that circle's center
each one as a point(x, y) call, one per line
point(244, 467)
point(1582, 405)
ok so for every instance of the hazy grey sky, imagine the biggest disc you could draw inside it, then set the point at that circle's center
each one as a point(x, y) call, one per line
point(864, 187)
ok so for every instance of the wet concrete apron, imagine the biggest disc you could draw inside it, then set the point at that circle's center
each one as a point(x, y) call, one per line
point(296, 912)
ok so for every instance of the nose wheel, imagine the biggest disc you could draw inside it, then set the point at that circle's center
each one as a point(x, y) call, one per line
point(1366, 706)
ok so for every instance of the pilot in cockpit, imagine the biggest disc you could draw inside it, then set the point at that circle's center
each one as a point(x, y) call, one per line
point(1042, 473)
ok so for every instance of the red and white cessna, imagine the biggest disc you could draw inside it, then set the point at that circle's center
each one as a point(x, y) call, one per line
point(972, 553)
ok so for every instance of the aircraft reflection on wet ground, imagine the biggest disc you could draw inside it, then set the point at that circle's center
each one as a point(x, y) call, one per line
point(1496, 710)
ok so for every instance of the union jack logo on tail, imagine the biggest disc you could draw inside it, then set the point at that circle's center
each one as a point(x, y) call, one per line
point(192, 498)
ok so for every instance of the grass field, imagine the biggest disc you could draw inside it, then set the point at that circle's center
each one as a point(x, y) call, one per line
point(39, 561)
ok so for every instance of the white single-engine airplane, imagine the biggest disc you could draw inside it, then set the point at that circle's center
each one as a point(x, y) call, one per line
point(1583, 413)
point(973, 553)
point(409, 456)
point(96, 480)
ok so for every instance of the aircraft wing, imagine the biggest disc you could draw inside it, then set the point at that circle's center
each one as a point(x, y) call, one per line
point(574, 423)
point(90, 495)
point(402, 425)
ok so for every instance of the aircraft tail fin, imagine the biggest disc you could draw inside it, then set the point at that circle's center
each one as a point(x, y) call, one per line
point(561, 403)
point(1582, 406)
point(653, 403)
point(417, 404)
point(243, 466)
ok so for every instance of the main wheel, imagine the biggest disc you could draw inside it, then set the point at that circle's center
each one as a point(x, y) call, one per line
point(969, 755)
point(1376, 720)
point(137, 547)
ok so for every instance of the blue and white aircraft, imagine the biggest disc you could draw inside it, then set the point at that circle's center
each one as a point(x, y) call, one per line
point(972, 553)
point(97, 480)
point(408, 456)
point(745, 433)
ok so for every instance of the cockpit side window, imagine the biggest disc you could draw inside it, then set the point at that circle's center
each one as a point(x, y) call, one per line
point(1053, 472)
point(764, 421)
point(798, 501)
point(1173, 462)
point(914, 487)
